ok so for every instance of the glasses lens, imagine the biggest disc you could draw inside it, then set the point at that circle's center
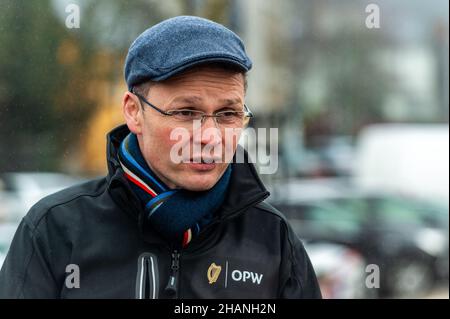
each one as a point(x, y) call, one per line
point(186, 115)
point(231, 118)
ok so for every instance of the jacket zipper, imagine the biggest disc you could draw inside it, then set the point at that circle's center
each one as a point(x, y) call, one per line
point(171, 289)
point(147, 281)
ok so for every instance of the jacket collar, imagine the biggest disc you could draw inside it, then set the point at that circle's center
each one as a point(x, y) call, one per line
point(245, 187)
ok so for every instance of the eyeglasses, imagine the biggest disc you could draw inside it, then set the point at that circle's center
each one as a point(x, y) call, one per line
point(224, 118)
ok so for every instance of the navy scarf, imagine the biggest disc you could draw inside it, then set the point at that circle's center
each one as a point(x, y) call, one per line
point(177, 214)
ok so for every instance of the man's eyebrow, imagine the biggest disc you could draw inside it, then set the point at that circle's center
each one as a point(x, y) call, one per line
point(187, 99)
point(197, 99)
point(227, 102)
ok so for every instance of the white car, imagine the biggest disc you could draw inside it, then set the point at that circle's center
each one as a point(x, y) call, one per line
point(405, 159)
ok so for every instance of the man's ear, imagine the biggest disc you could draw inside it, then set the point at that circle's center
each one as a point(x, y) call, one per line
point(132, 112)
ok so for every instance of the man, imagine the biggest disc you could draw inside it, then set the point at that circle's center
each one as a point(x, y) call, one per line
point(155, 226)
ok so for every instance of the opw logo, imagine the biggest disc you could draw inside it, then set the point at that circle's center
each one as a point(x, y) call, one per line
point(235, 275)
point(213, 273)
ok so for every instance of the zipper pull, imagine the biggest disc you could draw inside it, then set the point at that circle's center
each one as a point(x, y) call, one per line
point(171, 288)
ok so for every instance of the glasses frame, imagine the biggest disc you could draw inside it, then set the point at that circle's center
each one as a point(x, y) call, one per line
point(247, 113)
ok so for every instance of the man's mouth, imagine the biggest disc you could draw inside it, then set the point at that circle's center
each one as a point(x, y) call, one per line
point(202, 167)
point(203, 163)
point(206, 160)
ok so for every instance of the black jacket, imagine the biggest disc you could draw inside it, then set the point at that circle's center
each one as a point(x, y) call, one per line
point(95, 232)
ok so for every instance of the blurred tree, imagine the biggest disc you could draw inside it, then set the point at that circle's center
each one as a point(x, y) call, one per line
point(41, 92)
point(55, 78)
point(341, 82)
point(354, 85)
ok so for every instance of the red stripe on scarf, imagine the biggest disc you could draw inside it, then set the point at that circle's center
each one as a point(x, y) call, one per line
point(140, 185)
point(186, 237)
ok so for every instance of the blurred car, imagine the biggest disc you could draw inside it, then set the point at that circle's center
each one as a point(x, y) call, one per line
point(404, 158)
point(339, 270)
point(407, 239)
point(21, 190)
point(7, 231)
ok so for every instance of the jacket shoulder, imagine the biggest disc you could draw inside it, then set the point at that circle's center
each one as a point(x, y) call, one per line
point(89, 189)
point(266, 207)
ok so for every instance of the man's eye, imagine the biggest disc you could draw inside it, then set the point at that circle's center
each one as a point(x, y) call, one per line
point(228, 114)
point(184, 113)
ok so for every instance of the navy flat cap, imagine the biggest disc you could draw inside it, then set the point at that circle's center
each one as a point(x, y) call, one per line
point(176, 44)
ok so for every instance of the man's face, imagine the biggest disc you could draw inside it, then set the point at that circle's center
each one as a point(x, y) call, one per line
point(206, 89)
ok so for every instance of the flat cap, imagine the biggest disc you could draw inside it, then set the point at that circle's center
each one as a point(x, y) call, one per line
point(176, 44)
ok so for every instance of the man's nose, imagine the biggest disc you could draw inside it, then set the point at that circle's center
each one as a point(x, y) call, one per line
point(210, 132)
